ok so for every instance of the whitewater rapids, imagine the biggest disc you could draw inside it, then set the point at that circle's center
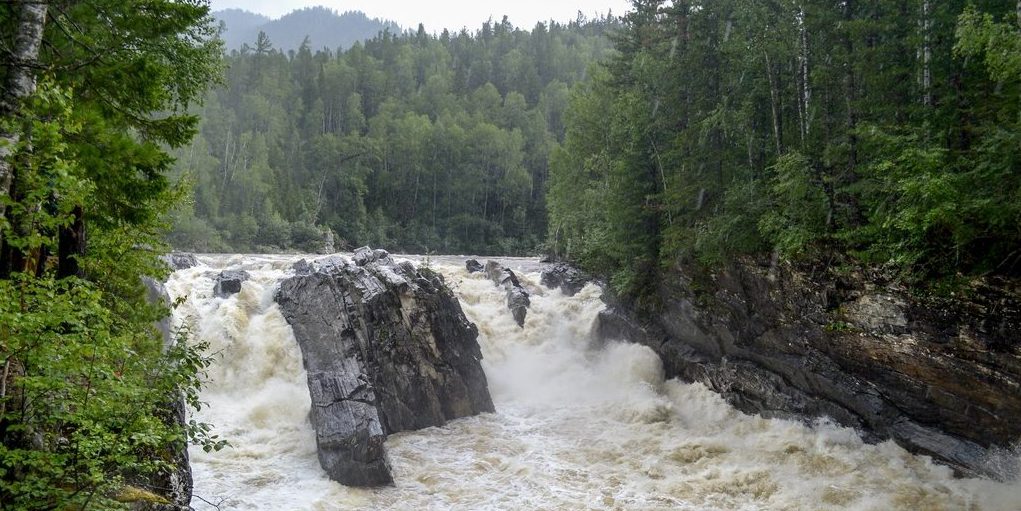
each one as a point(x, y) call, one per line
point(579, 425)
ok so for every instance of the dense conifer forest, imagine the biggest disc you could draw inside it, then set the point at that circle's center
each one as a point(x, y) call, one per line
point(887, 132)
point(411, 141)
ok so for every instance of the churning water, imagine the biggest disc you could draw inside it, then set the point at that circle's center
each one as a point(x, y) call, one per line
point(579, 425)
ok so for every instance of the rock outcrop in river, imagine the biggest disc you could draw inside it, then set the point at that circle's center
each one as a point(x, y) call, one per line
point(387, 349)
point(941, 377)
point(565, 277)
point(517, 297)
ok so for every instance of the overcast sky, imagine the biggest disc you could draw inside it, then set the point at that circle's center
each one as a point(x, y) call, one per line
point(440, 14)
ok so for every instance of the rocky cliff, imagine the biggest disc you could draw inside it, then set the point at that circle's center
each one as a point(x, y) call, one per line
point(387, 348)
point(940, 376)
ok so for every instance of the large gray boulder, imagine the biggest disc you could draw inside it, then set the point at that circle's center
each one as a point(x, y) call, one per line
point(387, 348)
point(517, 298)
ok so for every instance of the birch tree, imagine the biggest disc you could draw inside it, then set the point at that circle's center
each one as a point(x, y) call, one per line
point(20, 83)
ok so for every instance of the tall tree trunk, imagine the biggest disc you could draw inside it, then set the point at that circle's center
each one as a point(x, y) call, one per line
point(850, 90)
point(806, 85)
point(926, 55)
point(20, 83)
point(774, 104)
point(71, 246)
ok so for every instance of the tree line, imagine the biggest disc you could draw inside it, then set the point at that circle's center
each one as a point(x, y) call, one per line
point(411, 141)
point(886, 130)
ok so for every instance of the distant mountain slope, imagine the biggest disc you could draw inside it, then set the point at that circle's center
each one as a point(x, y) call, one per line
point(325, 28)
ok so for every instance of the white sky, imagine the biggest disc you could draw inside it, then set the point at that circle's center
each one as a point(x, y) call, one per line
point(440, 14)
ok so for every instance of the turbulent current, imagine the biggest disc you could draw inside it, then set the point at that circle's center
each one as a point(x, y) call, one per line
point(579, 425)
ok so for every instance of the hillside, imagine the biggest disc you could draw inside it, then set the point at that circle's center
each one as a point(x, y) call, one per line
point(324, 27)
point(411, 141)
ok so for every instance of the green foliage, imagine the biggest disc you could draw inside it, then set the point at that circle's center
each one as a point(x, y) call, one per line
point(87, 382)
point(799, 213)
point(89, 396)
point(85, 405)
point(890, 131)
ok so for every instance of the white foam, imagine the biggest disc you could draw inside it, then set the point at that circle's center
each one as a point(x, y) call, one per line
point(578, 425)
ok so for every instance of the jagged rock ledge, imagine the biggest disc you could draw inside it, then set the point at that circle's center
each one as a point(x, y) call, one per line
point(387, 349)
point(941, 378)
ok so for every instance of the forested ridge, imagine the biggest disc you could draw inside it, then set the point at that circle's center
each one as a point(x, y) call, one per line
point(323, 27)
point(412, 141)
point(883, 133)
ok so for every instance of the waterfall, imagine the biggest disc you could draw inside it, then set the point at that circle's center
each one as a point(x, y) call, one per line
point(579, 424)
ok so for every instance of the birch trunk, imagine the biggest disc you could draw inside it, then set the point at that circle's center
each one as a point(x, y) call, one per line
point(774, 99)
point(20, 83)
point(926, 55)
point(806, 86)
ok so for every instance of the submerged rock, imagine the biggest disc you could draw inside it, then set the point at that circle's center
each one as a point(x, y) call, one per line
point(387, 349)
point(938, 379)
point(567, 278)
point(228, 282)
point(517, 298)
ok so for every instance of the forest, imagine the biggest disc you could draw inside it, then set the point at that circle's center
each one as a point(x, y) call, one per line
point(411, 141)
point(879, 133)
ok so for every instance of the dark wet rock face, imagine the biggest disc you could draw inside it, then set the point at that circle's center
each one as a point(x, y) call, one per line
point(565, 277)
point(387, 349)
point(174, 483)
point(517, 297)
point(935, 377)
point(180, 260)
point(228, 283)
